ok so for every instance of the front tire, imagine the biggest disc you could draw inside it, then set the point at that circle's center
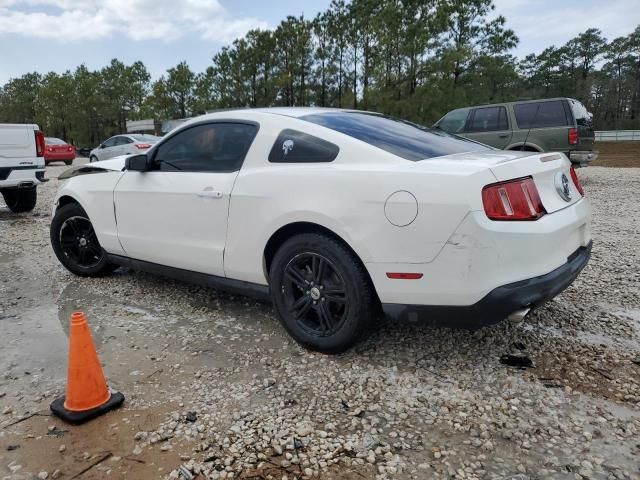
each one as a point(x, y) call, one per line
point(21, 199)
point(75, 243)
point(93, 158)
point(322, 293)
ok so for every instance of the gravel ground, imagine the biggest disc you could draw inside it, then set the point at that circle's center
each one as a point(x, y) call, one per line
point(215, 388)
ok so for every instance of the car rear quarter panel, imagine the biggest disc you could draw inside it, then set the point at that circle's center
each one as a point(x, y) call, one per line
point(346, 196)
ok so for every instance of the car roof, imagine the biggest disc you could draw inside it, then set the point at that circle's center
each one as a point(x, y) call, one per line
point(294, 112)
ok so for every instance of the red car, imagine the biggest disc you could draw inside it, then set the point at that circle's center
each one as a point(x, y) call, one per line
point(56, 150)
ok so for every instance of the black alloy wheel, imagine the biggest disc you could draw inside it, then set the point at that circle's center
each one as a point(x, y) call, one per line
point(315, 294)
point(322, 293)
point(79, 242)
point(75, 243)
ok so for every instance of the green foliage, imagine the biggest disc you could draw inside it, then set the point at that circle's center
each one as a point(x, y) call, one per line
point(415, 59)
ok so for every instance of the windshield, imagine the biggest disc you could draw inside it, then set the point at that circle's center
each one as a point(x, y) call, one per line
point(54, 141)
point(145, 138)
point(404, 139)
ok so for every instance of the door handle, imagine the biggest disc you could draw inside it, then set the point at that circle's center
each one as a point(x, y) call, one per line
point(503, 135)
point(210, 194)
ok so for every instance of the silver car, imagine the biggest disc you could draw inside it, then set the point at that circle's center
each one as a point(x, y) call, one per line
point(122, 145)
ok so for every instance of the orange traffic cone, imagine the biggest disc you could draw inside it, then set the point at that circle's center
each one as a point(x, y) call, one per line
point(87, 394)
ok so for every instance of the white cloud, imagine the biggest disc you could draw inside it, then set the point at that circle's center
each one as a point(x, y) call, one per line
point(71, 20)
point(540, 24)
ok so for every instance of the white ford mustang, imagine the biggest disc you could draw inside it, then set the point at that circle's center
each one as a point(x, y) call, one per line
point(335, 215)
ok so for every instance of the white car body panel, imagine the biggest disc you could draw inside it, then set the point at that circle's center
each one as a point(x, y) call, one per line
point(462, 254)
point(18, 153)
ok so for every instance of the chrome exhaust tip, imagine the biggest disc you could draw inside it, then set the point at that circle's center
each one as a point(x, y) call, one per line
point(519, 315)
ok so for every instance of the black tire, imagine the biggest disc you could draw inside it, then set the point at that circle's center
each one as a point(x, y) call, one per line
point(75, 243)
point(93, 158)
point(324, 308)
point(21, 199)
point(68, 162)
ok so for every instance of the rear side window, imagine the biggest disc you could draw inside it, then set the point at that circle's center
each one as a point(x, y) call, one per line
point(110, 142)
point(210, 147)
point(293, 146)
point(404, 139)
point(123, 141)
point(581, 114)
point(454, 121)
point(488, 119)
point(541, 114)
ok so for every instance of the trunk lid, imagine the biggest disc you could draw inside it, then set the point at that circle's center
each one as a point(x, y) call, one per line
point(546, 169)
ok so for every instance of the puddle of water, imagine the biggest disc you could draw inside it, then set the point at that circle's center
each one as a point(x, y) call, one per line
point(34, 342)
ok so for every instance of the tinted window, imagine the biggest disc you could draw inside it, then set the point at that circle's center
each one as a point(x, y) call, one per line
point(404, 139)
point(454, 121)
point(541, 114)
point(111, 142)
point(212, 147)
point(488, 119)
point(54, 141)
point(296, 147)
point(123, 141)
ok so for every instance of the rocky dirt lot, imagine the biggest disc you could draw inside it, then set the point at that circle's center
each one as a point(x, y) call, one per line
point(215, 389)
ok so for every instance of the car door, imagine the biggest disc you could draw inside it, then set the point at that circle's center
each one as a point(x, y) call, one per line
point(176, 214)
point(125, 146)
point(106, 148)
point(489, 125)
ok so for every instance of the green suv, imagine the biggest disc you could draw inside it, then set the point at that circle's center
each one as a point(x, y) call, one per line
point(549, 125)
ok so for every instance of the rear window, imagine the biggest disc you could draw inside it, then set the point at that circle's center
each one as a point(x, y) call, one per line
point(404, 139)
point(54, 141)
point(541, 114)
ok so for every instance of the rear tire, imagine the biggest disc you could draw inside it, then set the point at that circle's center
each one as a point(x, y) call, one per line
point(68, 162)
point(322, 293)
point(21, 199)
point(75, 243)
point(93, 158)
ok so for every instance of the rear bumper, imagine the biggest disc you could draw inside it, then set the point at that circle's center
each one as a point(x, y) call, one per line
point(22, 177)
point(59, 157)
point(502, 301)
point(583, 157)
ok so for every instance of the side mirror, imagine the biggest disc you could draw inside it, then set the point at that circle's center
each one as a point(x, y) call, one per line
point(137, 163)
point(101, 145)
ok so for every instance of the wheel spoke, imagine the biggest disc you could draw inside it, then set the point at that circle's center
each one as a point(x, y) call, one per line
point(318, 266)
point(74, 228)
point(296, 277)
point(301, 306)
point(326, 319)
point(335, 299)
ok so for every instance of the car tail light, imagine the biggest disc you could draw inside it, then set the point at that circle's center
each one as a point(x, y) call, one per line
point(576, 181)
point(142, 146)
point(70, 149)
point(512, 200)
point(39, 143)
point(573, 136)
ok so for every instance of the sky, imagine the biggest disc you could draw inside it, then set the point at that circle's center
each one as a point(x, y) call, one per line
point(57, 35)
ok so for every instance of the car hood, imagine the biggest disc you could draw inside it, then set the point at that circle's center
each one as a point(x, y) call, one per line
point(115, 163)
